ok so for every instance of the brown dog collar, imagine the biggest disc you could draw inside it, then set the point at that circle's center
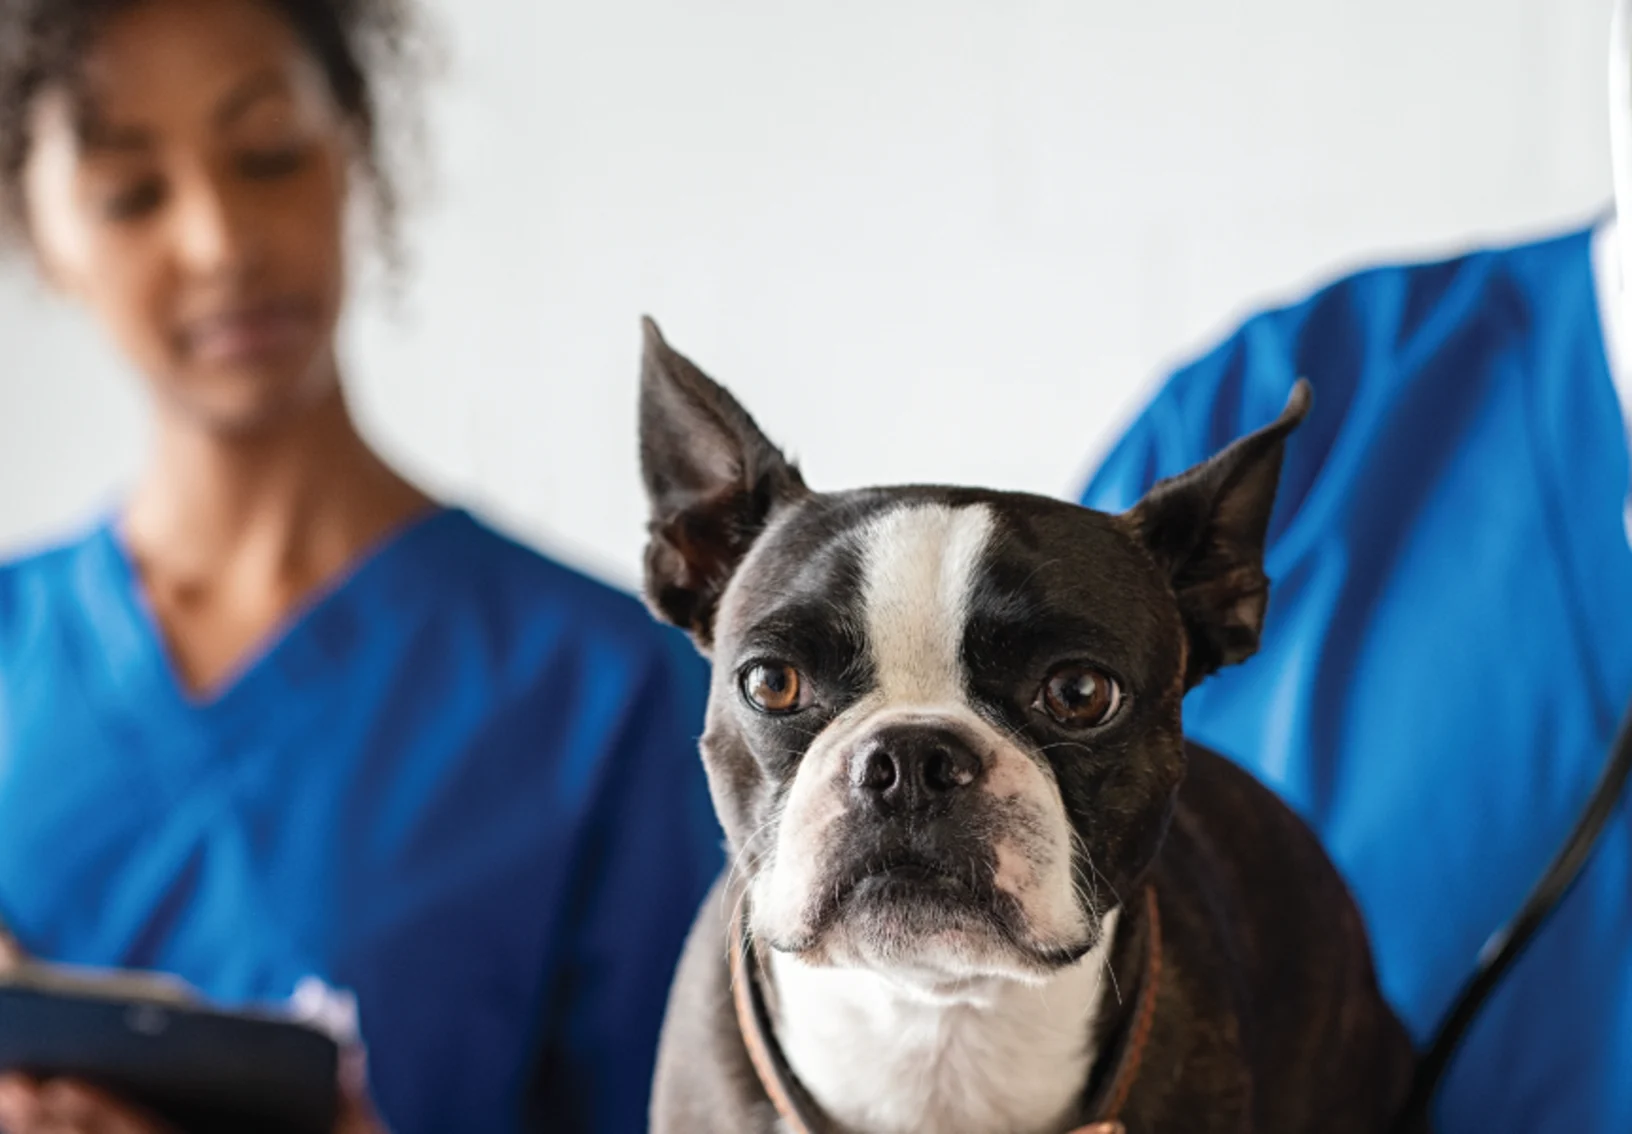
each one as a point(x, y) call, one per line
point(1115, 1076)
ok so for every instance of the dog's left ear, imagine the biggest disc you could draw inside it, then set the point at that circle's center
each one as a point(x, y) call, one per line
point(713, 480)
point(1206, 529)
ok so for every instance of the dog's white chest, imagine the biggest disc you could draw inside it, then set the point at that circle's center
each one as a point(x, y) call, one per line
point(882, 1057)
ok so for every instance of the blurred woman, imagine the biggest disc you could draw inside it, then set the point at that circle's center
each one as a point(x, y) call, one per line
point(282, 715)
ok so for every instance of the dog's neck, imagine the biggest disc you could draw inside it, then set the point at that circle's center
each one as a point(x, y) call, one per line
point(892, 1056)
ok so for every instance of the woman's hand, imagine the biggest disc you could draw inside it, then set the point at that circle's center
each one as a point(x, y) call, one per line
point(62, 1106)
point(357, 1115)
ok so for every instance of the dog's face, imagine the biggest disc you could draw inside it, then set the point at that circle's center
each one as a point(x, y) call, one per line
point(944, 733)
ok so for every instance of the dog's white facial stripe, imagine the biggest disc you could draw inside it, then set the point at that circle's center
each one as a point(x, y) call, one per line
point(919, 565)
point(954, 1033)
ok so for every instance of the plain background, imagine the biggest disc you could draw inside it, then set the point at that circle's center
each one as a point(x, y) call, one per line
point(930, 240)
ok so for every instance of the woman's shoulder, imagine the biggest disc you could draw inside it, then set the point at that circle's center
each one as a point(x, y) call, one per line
point(43, 591)
point(499, 563)
point(50, 554)
point(1444, 327)
point(1377, 323)
point(39, 574)
point(471, 568)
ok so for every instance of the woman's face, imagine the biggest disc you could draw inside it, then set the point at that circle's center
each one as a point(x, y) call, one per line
point(191, 192)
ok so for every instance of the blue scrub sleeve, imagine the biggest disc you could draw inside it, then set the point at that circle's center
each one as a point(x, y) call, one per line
point(1333, 340)
point(654, 851)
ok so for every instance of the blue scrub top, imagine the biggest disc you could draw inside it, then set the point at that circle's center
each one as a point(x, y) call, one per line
point(462, 784)
point(1449, 640)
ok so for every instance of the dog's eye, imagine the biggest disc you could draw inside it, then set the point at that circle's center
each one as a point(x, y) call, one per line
point(1080, 696)
point(774, 687)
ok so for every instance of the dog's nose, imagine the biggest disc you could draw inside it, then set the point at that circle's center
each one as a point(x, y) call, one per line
point(911, 767)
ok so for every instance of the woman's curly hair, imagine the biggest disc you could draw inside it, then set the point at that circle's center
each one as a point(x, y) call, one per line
point(368, 49)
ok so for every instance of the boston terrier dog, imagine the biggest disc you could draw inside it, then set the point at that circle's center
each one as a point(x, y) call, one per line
point(981, 884)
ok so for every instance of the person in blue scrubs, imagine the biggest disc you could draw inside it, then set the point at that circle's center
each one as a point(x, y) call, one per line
point(1448, 648)
point(281, 716)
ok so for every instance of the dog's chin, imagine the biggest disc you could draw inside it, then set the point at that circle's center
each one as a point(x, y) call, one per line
point(929, 925)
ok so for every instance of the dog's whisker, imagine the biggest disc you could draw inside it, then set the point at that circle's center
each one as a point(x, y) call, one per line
point(1086, 896)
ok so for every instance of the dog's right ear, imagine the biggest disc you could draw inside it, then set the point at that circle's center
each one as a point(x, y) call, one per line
point(712, 479)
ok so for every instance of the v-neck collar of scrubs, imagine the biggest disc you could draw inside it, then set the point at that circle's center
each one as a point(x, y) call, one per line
point(125, 648)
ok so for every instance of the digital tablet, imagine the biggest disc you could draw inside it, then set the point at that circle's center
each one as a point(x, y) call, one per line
point(147, 1040)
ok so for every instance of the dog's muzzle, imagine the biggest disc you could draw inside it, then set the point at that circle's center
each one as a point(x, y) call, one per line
point(919, 832)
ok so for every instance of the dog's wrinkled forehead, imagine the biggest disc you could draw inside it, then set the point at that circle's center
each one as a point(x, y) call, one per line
point(730, 513)
point(920, 593)
point(979, 688)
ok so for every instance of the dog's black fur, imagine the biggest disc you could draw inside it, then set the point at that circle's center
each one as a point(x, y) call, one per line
point(1269, 1017)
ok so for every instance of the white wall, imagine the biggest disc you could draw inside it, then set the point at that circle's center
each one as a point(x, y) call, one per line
point(925, 239)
